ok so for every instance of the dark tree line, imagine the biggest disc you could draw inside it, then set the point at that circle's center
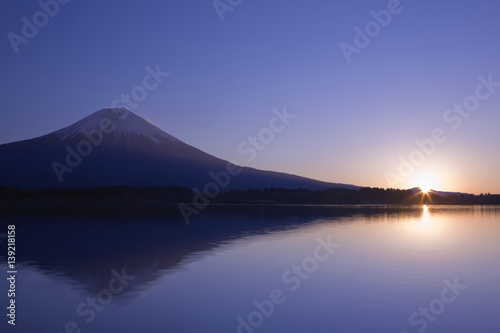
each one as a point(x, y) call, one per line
point(366, 195)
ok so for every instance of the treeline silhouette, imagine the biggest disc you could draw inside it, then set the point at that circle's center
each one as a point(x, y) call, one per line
point(175, 195)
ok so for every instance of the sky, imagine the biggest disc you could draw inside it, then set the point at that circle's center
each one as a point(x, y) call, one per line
point(361, 81)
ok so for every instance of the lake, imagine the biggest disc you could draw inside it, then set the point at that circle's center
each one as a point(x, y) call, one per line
point(258, 269)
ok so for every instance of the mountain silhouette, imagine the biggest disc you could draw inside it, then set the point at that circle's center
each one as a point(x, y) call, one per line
point(117, 147)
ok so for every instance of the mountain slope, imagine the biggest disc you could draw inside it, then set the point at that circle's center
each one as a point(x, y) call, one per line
point(117, 147)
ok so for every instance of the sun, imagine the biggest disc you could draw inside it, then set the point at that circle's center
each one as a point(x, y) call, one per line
point(426, 181)
point(425, 188)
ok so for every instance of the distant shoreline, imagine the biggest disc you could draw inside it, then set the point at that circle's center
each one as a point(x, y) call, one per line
point(271, 195)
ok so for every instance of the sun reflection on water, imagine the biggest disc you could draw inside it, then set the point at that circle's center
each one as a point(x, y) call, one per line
point(426, 224)
point(425, 214)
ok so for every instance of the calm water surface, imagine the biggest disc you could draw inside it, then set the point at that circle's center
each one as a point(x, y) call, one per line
point(261, 269)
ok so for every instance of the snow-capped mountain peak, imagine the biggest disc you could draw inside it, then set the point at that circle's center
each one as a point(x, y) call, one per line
point(114, 147)
point(117, 122)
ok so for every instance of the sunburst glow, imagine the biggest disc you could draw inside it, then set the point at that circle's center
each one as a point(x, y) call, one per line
point(426, 181)
point(425, 188)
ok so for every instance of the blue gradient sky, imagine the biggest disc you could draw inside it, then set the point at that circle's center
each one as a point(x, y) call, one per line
point(353, 120)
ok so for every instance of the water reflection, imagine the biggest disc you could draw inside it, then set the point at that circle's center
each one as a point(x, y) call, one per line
point(426, 216)
point(86, 250)
point(234, 253)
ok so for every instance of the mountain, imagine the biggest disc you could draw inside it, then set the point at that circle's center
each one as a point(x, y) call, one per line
point(416, 190)
point(117, 147)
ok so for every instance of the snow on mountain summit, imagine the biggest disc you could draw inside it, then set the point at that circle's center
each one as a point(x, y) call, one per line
point(123, 123)
point(114, 147)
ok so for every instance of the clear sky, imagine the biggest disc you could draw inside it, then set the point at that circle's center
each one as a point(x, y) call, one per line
point(354, 120)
